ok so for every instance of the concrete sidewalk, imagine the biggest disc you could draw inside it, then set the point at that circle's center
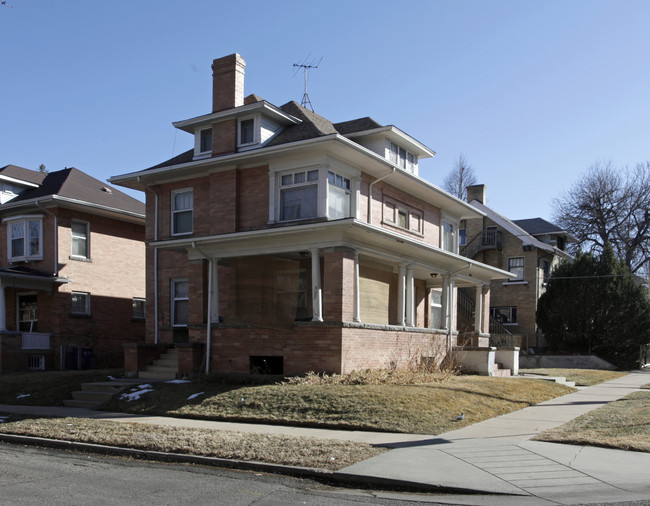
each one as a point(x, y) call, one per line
point(494, 456)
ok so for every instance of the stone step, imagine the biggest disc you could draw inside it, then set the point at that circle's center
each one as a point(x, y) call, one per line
point(158, 375)
point(104, 386)
point(502, 373)
point(160, 368)
point(85, 395)
point(166, 361)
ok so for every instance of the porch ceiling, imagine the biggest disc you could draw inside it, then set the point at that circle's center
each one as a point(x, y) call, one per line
point(369, 240)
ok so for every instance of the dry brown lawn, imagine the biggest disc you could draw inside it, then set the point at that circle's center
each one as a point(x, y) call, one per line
point(622, 424)
point(582, 377)
point(269, 448)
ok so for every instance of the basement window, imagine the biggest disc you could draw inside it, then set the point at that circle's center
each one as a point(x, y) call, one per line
point(266, 365)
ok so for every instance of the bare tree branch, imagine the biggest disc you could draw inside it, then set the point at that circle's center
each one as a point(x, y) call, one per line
point(461, 176)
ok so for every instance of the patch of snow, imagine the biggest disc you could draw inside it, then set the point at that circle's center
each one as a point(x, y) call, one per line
point(194, 396)
point(134, 396)
point(178, 381)
point(22, 396)
point(146, 385)
point(112, 379)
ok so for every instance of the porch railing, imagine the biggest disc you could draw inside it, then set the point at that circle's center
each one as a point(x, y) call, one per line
point(36, 341)
point(487, 239)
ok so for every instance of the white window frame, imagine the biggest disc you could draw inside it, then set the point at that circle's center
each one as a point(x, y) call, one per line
point(304, 177)
point(517, 267)
point(178, 211)
point(256, 131)
point(337, 182)
point(200, 149)
point(174, 300)
point(401, 157)
point(446, 236)
point(86, 309)
point(24, 221)
point(77, 237)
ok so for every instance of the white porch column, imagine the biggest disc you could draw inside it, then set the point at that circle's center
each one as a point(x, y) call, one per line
point(452, 304)
point(401, 303)
point(410, 297)
point(317, 296)
point(445, 302)
point(357, 293)
point(3, 309)
point(478, 309)
point(214, 292)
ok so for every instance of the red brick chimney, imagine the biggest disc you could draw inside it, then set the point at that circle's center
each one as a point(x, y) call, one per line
point(228, 82)
point(227, 92)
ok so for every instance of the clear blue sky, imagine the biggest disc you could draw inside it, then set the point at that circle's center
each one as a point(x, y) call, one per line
point(531, 93)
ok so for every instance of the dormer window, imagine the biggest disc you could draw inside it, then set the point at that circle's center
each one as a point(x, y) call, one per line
point(206, 140)
point(402, 158)
point(246, 131)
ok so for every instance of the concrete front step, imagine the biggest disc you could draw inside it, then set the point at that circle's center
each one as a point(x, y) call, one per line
point(158, 375)
point(93, 395)
point(74, 403)
point(499, 372)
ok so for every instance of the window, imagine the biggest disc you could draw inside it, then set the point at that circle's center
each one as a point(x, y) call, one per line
point(462, 237)
point(436, 309)
point(516, 266)
point(299, 195)
point(138, 308)
point(182, 205)
point(247, 131)
point(448, 240)
point(206, 140)
point(338, 196)
point(504, 315)
point(80, 239)
point(180, 292)
point(402, 218)
point(402, 158)
point(25, 240)
point(80, 303)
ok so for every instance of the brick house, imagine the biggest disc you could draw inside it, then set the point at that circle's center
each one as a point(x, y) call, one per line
point(72, 284)
point(285, 243)
point(529, 249)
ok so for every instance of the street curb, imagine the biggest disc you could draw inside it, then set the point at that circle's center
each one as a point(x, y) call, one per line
point(346, 479)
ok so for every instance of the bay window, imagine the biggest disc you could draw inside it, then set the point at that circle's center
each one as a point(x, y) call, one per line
point(299, 195)
point(338, 196)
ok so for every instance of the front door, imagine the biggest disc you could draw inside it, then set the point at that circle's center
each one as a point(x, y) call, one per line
point(27, 313)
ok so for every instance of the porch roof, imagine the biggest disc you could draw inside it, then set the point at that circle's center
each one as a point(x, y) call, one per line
point(26, 277)
point(429, 262)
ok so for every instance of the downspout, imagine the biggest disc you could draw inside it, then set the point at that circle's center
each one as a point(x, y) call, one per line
point(208, 338)
point(370, 193)
point(56, 238)
point(155, 260)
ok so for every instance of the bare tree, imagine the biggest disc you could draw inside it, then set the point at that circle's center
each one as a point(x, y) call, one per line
point(608, 205)
point(461, 176)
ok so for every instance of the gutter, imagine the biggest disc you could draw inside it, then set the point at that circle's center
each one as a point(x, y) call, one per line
point(56, 237)
point(155, 260)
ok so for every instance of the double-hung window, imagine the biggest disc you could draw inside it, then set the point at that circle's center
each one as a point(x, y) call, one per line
point(80, 303)
point(205, 141)
point(516, 266)
point(182, 210)
point(299, 195)
point(448, 241)
point(25, 239)
point(402, 158)
point(80, 242)
point(506, 315)
point(180, 292)
point(138, 308)
point(246, 131)
point(338, 196)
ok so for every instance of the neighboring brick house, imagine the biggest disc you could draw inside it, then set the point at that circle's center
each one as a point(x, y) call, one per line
point(72, 281)
point(527, 248)
point(286, 243)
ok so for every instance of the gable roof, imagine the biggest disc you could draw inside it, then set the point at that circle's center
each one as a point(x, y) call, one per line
point(76, 186)
point(356, 125)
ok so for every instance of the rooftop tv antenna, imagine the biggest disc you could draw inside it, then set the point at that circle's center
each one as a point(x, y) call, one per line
point(305, 102)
